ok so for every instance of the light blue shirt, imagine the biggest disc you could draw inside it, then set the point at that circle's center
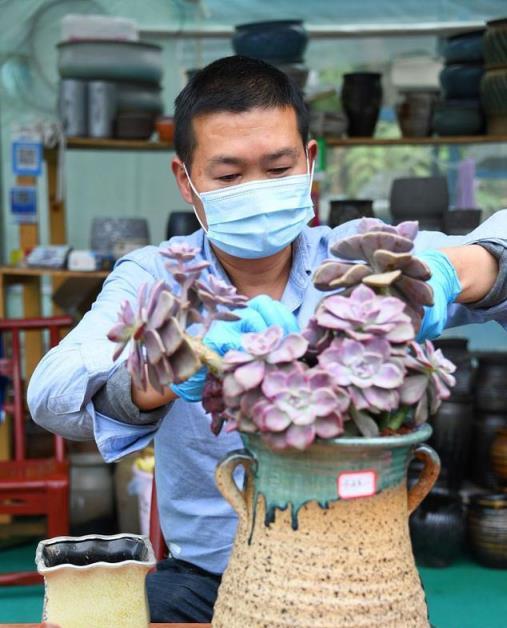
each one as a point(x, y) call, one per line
point(198, 524)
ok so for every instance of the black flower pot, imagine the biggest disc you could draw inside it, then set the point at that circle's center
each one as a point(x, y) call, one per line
point(487, 529)
point(361, 99)
point(492, 382)
point(347, 209)
point(452, 432)
point(486, 427)
point(277, 41)
point(181, 223)
point(456, 350)
point(437, 529)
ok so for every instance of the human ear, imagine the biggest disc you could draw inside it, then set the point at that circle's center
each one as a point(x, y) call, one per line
point(182, 180)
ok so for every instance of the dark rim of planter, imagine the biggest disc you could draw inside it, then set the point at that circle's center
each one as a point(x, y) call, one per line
point(500, 21)
point(458, 36)
point(495, 501)
point(269, 24)
point(363, 74)
point(491, 357)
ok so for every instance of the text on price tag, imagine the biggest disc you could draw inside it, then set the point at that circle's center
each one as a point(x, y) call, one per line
point(357, 484)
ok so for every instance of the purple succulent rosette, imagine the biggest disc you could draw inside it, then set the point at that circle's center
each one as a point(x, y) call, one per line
point(380, 256)
point(162, 352)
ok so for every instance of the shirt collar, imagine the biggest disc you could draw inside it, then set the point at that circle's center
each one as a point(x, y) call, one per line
point(299, 275)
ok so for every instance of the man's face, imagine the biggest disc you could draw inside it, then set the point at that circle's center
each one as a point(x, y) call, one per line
point(234, 148)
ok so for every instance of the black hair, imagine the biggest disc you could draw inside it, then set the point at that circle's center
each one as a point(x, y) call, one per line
point(234, 84)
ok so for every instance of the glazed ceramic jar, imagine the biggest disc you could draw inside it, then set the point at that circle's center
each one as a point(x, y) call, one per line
point(437, 529)
point(323, 535)
point(361, 99)
point(487, 529)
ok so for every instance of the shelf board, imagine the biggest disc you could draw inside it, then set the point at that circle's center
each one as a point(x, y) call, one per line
point(21, 271)
point(405, 141)
point(91, 143)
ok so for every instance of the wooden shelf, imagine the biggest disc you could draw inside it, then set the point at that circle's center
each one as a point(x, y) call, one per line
point(91, 143)
point(19, 271)
point(406, 141)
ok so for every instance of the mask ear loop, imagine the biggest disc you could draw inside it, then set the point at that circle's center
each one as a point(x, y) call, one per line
point(309, 170)
point(198, 196)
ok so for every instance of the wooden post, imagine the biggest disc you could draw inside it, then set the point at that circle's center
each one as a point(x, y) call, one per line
point(56, 211)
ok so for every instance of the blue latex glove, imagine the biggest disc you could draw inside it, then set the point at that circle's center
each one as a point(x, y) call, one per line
point(262, 312)
point(446, 287)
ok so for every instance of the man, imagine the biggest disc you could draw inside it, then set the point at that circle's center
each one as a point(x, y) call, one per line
point(243, 160)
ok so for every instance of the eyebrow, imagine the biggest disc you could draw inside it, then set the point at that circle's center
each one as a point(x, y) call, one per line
point(228, 160)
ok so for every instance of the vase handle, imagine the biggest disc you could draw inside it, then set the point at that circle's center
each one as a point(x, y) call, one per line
point(427, 478)
point(225, 479)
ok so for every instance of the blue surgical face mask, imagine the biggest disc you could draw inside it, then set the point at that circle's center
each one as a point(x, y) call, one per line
point(258, 218)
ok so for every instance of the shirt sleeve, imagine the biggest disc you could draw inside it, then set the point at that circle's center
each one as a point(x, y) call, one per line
point(492, 235)
point(61, 390)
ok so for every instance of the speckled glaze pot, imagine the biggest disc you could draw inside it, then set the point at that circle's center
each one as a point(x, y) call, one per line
point(95, 580)
point(323, 536)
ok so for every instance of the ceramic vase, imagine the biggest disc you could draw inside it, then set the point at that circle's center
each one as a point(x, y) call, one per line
point(323, 536)
point(361, 99)
point(95, 580)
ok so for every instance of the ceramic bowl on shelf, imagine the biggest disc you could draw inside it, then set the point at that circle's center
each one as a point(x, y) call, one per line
point(139, 97)
point(458, 117)
point(464, 47)
point(110, 60)
point(134, 125)
point(461, 80)
point(277, 41)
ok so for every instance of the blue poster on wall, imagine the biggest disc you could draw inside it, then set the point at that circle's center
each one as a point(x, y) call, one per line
point(23, 201)
point(26, 158)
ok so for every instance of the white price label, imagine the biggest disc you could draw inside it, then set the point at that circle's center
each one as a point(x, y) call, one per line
point(357, 484)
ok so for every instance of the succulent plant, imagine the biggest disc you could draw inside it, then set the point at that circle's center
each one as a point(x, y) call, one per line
point(364, 315)
point(367, 370)
point(162, 351)
point(428, 381)
point(380, 256)
point(354, 368)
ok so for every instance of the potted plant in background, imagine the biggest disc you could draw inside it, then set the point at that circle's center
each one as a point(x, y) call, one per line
point(330, 418)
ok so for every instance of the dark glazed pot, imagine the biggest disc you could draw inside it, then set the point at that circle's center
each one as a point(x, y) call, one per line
point(487, 529)
point(452, 432)
point(461, 221)
point(420, 198)
point(458, 117)
point(277, 41)
point(499, 456)
point(361, 99)
point(485, 429)
point(181, 223)
point(464, 47)
point(462, 80)
point(347, 209)
point(456, 350)
point(492, 382)
point(437, 529)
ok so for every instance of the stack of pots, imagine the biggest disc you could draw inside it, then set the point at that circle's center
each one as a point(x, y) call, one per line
point(281, 43)
point(437, 528)
point(460, 111)
point(494, 82)
point(109, 88)
point(490, 419)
